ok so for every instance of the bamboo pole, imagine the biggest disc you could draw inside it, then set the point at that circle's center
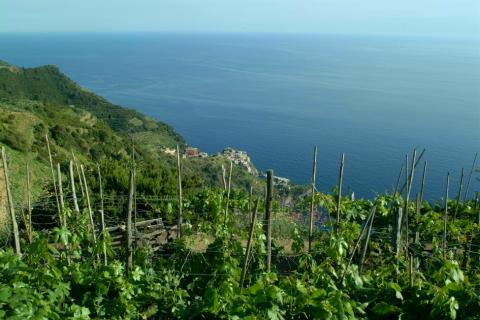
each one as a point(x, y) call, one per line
point(72, 185)
point(268, 217)
point(340, 183)
point(444, 242)
point(16, 237)
point(129, 261)
point(312, 202)
point(102, 215)
point(180, 195)
point(229, 188)
point(90, 213)
point(249, 243)
point(470, 177)
point(457, 204)
point(367, 240)
point(396, 231)
point(29, 207)
point(53, 178)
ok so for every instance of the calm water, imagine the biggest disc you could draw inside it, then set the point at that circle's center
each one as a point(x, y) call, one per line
point(276, 96)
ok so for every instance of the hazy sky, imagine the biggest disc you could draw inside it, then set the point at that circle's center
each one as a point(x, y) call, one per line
point(435, 17)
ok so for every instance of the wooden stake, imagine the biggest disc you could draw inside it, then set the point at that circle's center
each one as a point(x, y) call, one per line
point(72, 185)
point(77, 167)
point(16, 237)
point(444, 242)
point(312, 202)
point(90, 213)
point(229, 188)
point(422, 186)
point(60, 190)
point(398, 181)
point(457, 205)
point(396, 231)
point(470, 177)
point(415, 166)
point(102, 215)
point(180, 195)
point(411, 270)
point(340, 183)
point(29, 208)
point(224, 178)
point(367, 240)
point(250, 199)
point(249, 243)
point(268, 217)
point(129, 223)
point(407, 199)
point(53, 178)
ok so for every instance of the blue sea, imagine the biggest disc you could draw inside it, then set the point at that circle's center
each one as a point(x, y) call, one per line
point(375, 98)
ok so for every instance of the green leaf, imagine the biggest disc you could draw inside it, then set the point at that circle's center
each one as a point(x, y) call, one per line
point(385, 309)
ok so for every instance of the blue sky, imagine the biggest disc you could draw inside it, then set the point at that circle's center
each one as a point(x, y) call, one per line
point(419, 17)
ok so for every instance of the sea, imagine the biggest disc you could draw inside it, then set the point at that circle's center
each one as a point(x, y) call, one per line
point(276, 96)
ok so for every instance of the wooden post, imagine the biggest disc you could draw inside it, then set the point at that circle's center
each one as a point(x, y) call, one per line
point(11, 208)
point(90, 213)
point(249, 243)
point(102, 215)
point(396, 231)
point(229, 188)
point(477, 207)
point(224, 178)
point(129, 223)
point(355, 247)
point(444, 241)
point(470, 177)
point(340, 182)
point(250, 199)
point(180, 195)
point(53, 178)
point(415, 166)
point(457, 205)
point(410, 258)
point(407, 199)
point(367, 240)
point(422, 186)
point(398, 181)
point(268, 217)
point(77, 167)
point(312, 203)
point(72, 185)
point(60, 191)
point(29, 207)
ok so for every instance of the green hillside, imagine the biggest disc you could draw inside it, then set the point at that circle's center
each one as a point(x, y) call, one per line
point(39, 102)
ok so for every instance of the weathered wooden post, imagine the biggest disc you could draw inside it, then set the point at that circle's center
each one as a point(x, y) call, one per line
point(60, 191)
point(224, 177)
point(396, 231)
point(268, 217)
point(72, 185)
point(229, 188)
point(77, 168)
point(29, 207)
point(249, 243)
point(410, 273)
point(367, 240)
point(53, 178)
point(470, 177)
point(11, 208)
point(444, 241)
point(422, 186)
point(102, 215)
point(90, 213)
point(340, 183)
point(312, 203)
point(180, 195)
point(129, 223)
point(457, 205)
point(398, 181)
point(407, 199)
